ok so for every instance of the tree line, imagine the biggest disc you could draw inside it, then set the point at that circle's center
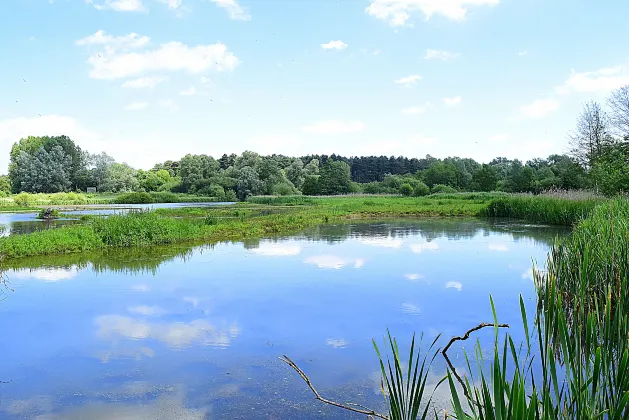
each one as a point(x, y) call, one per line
point(598, 159)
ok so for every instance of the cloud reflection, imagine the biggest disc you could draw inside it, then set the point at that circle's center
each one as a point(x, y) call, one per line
point(424, 246)
point(411, 309)
point(337, 343)
point(498, 247)
point(270, 249)
point(333, 262)
point(146, 310)
point(384, 242)
point(454, 285)
point(414, 277)
point(47, 274)
point(175, 334)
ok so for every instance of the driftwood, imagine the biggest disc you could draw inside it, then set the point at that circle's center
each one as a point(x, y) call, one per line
point(371, 413)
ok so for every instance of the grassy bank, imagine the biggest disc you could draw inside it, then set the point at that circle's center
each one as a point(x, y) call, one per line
point(279, 215)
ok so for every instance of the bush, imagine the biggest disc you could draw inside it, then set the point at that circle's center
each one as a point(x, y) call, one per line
point(406, 190)
point(164, 197)
point(24, 200)
point(3, 194)
point(230, 196)
point(283, 188)
point(134, 198)
point(440, 188)
point(421, 190)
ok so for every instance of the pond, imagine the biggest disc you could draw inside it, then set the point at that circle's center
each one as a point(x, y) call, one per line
point(20, 223)
point(187, 332)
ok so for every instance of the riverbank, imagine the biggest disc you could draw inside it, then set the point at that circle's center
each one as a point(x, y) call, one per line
point(280, 215)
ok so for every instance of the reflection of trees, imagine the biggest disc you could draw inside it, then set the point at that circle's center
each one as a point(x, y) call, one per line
point(30, 226)
point(122, 260)
point(430, 229)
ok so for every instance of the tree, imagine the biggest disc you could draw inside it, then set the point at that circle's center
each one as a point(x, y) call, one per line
point(5, 184)
point(485, 178)
point(295, 172)
point(590, 135)
point(42, 171)
point(78, 164)
point(99, 165)
point(248, 158)
point(120, 178)
point(610, 171)
point(312, 168)
point(152, 180)
point(194, 168)
point(619, 104)
point(440, 173)
point(248, 183)
point(311, 185)
point(335, 178)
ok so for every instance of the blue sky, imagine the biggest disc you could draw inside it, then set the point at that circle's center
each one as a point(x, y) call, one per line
point(150, 80)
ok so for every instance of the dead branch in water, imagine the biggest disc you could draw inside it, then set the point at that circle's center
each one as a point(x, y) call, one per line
point(463, 338)
point(306, 379)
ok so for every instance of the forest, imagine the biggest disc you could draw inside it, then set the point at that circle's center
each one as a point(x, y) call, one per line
point(598, 160)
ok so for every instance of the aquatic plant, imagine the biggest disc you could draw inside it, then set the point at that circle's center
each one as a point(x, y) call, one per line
point(542, 209)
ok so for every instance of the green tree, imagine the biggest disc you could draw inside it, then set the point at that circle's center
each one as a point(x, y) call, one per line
point(610, 171)
point(295, 172)
point(248, 183)
point(485, 178)
point(335, 178)
point(5, 184)
point(440, 173)
point(194, 168)
point(42, 171)
point(99, 171)
point(120, 178)
point(312, 168)
point(406, 190)
point(311, 185)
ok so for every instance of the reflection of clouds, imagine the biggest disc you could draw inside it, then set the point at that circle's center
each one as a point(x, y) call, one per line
point(528, 274)
point(146, 310)
point(411, 309)
point(28, 407)
point(193, 300)
point(166, 406)
point(424, 246)
point(454, 285)
point(269, 249)
point(47, 274)
point(140, 288)
point(385, 242)
point(498, 247)
point(337, 343)
point(175, 334)
point(333, 262)
point(137, 354)
point(414, 277)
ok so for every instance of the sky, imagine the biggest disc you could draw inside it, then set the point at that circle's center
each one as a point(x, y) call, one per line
point(150, 80)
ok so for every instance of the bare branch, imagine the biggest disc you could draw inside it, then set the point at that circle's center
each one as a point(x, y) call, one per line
point(301, 373)
point(619, 105)
point(463, 338)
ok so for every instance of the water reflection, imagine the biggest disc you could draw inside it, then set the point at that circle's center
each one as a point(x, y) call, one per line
point(194, 331)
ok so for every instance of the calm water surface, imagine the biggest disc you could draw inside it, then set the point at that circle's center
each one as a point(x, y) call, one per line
point(194, 333)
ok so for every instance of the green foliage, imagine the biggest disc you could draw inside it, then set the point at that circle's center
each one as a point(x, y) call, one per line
point(406, 189)
point(135, 198)
point(24, 200)
point(440, 188)
point(54, 214)
point(5, 184)
point(421, 189)
point(335, 178)
point(311, 185)
point(552, 210)
point(485, 179)
point(610, 172)
point(120, 179)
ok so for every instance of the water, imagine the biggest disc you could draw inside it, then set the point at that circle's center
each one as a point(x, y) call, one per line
point(20, 223)
point(194, 333)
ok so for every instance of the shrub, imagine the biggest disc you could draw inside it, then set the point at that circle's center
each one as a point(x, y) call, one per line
point(230, 196)
point(24, 200)
point(164, 197)
point(440, 188)
point(421, 190)
point(134, 198)
point(406, 190)
point(284, 188)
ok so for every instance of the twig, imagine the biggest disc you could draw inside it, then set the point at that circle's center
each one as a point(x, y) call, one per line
point(465, 337)
point(301, 373)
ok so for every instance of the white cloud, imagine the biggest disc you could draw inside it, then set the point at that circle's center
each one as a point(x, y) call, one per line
point(599, 81)
point(410, 309)
point(116, 62)
point(119, 5)
point(454, 285)
point(144, 82)
point(498, 247)
point(191, 91)
point(47, 274)
point(416, 110)
point(333, 127)
point(234, 10)
point(140, 288)
point(334, 45)
point(146, 310)
point(528, 274)
point(136, 106)
point(387, 242)
point(424, 246)
point(413, 277)
point(539, 108)
point(172, 4)
point(175, 334)
point(130, 41)
point(522, 53)
point(453, 101)
point(337, 343)
point(440, 55)
point(397, 12)
point(408, 80)
point(268, 249)
point(333, 262)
